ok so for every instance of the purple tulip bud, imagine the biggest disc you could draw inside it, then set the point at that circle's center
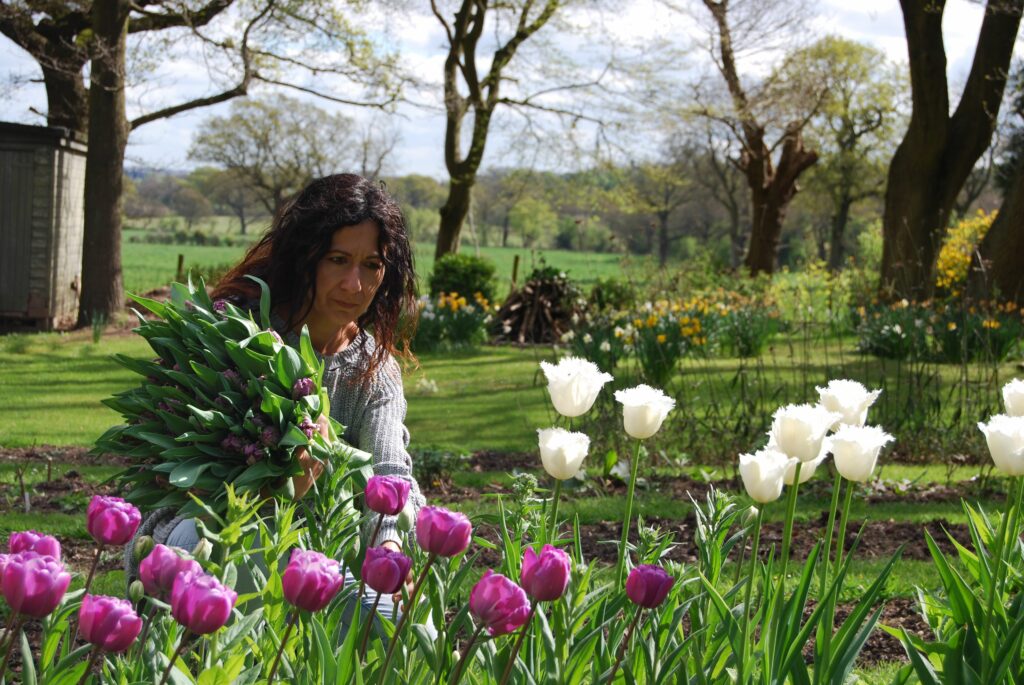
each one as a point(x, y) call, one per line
point(303, 387)
point(269, 436)
point(176, 367)
point(233, 378)
point(648, 585)
point(387, 494)
point(222, 402)
point(259, 420)
point(311, 580)
point(34, 584)
point(232, 444)
point(111, 520)
point(275, 335)
point(31, 541)
point(308, 426)
point(385, 570)
point(200, 602)
point(253, 452)
point(442, 532)
point(159, 570)
point(498, 603)
point(109, 623)
point(545, 576)
point(220, 306)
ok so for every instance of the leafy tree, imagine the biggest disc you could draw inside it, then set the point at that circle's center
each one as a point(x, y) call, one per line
point(940, 148)
point(190, 204)
point(227, 191)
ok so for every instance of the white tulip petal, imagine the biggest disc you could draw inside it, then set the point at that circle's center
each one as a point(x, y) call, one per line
point(848, 398)
point(573, 384)
point(1013, 397)
point(562, 452)
point(643, 410)
point(1005, 437)
point(798, 430)
point(855, 450)
point(762, 474)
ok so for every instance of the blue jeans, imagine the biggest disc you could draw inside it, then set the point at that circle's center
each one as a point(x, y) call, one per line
point(186, 536)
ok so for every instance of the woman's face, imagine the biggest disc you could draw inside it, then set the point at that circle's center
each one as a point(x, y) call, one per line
point(348, 276)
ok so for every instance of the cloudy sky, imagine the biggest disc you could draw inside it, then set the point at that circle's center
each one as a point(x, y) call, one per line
point(420, 41)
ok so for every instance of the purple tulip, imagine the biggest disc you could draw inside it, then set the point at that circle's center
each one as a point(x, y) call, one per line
point(161, 567)
point(253, 452)
point(34, 584)
point(31, 541)
point(111, 520)
point(648, 585)
point(233, 378)
point(200, 602)
point(303, 387)
point(220, 306)
point(442, 532)
point(387, 494)
point(109, 623)
point(308, 426)
point(311, 580)
point(232, 444)
point(545, 576)
point(270, 436)
point(498, 603)
point(385, 570)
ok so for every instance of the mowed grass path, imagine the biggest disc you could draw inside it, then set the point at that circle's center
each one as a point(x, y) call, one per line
point(150, 266)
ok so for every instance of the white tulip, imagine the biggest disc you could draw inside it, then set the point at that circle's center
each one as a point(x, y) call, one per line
point(1013, 397)
point(562, 452)
point(573, 384)
point(806, 471)
point(1005, 437)
point(855, 450)
point(848, 398)
point(799, 429)
point(762, 474)
point(643, 410)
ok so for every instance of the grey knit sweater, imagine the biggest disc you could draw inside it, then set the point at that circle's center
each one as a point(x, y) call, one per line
point(374, 419)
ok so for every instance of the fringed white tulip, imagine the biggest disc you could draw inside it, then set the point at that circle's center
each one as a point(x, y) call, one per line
point(643, 410)
point(850, 399)
point(807, 469)
point(1005, 437)
point(763, 473)
point(562, 452)
point(855, 450)
point(573, 384)
point(798, 430)
point(1013, 397)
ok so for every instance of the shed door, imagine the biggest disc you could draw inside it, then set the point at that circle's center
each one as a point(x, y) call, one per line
point(15, 229)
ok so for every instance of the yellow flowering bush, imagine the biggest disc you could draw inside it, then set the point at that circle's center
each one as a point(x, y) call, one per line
point(451, 321)
point(955, 256)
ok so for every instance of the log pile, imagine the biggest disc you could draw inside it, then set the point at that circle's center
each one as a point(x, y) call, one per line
point(539, 312)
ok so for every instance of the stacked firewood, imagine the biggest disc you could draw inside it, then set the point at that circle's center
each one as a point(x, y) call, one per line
point(541, 311)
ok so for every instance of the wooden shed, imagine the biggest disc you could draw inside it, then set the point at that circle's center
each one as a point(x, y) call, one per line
point(42, 192)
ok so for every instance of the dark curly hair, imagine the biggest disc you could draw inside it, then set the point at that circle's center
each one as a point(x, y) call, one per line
point(286, 257)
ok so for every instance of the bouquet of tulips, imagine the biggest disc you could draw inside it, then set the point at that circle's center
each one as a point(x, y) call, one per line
point(224, 401)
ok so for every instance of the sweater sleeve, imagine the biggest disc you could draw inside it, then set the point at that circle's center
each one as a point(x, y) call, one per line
point(383, 433)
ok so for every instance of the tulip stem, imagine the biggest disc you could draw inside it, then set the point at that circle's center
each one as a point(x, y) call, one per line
point(634, 468)
point(747, 591)
point(88, 584)
point(284, 640)
point(405, 617)
point(827, 626)
point(177, 653)
point(841, 540)
point(625, 644)
point(457, 676)
point(369, 628)
point(18, 621)
point(518, 645)
point(88, 667)
point(787, 535)
point(554, 509)
point(145, 628)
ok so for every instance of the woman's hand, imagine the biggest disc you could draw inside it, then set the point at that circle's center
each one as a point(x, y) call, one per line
point(311, 468)
point(410, 581)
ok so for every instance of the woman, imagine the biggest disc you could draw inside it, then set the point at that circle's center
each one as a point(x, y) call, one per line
point(337, 260)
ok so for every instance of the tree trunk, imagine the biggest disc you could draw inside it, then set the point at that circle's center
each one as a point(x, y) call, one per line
point(997, 269)
point(839, 221)
point(102, 280)
point(67, 98)
point(662, 239)
point(938, 151)
point(505, 228)
point(453, 214)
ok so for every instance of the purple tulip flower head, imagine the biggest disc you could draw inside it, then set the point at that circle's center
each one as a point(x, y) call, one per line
point(31, 541)
point(111, 520)
point(308, 427)
point(443, 532)
point(303, 387)
point(387, 494)
point(648, 585)
point(498, 603)
point(34, 584)
point(270, 436)
point(201, 603)
point(311, 580)
point(545, 576)
point(220, 306)
point(385, 570)
point(109, 623)
point(159, 570)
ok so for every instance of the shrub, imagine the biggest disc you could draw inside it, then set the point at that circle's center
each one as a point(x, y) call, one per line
point(893, 332)
point(451, 322)
point(612, 293)
point(955, 256)
point(463, 273)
